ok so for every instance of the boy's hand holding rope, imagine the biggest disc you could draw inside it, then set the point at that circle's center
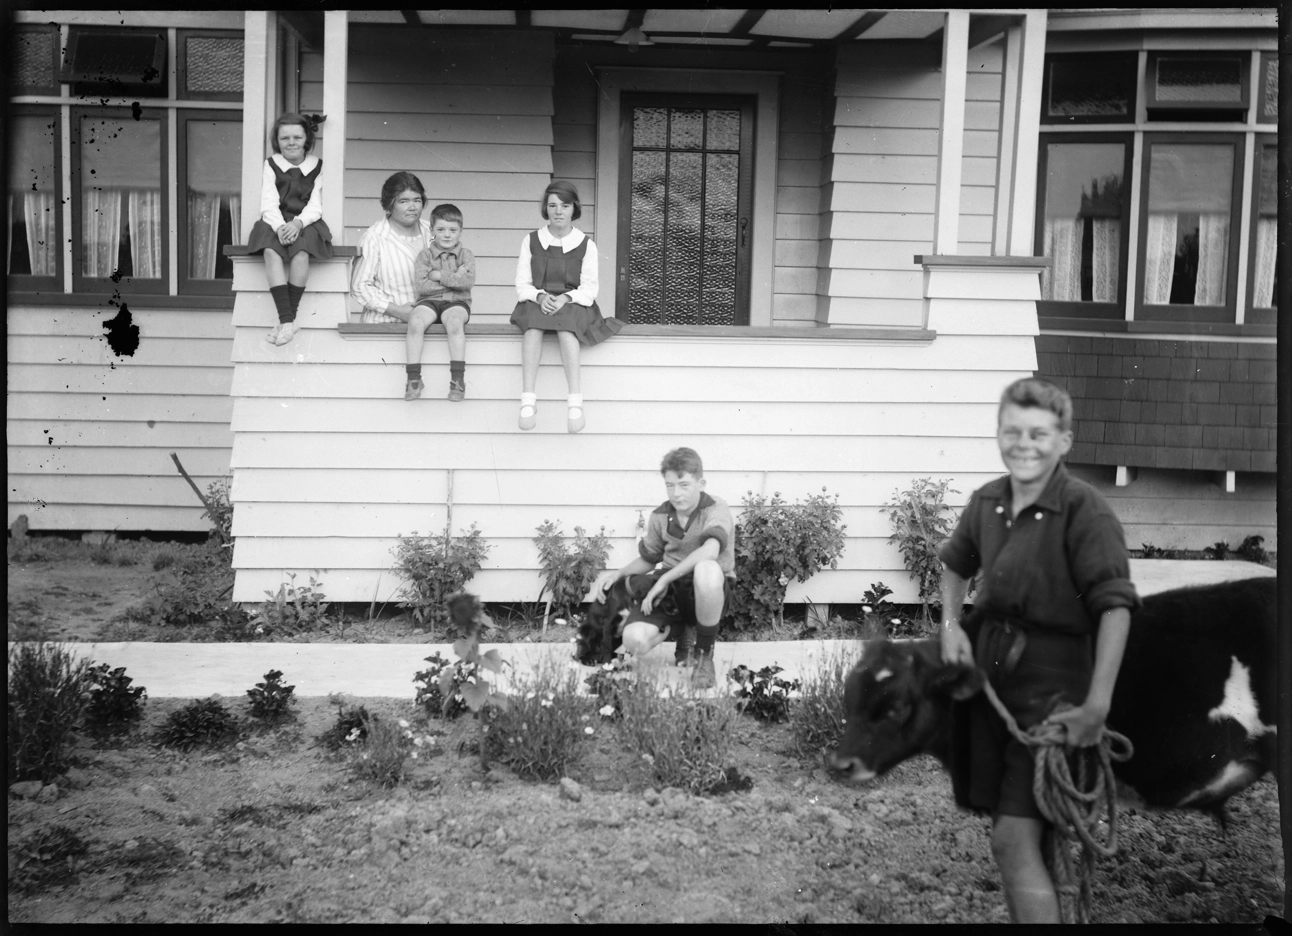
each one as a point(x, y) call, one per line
point(1070, 808)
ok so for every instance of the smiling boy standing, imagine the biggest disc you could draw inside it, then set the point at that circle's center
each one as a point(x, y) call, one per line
point(1049, 626)
point(443, 276)
point(693, 535)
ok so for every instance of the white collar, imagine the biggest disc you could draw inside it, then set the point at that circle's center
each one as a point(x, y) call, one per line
point(568, 242)
point(306, 167)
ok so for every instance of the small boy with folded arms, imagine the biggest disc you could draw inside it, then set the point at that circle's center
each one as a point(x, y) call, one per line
point(443, 276)
point(693, 534)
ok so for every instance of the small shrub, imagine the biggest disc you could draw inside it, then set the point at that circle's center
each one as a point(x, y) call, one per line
point(683, 740)
point(163, 559)
point(220, 513)
point(291, 610)
point(201, 722)
point(538, 733)
point(1251, 550)
point(1149, 551)
point(442, 702)
point(190, 591)
point(349, 722)
point(777, 543)
point(568, 572)
point(921, 522)
point(432, 568)
point(1218, 551)
point(608, 684)
point(764, 694)
point(271, 699)
point(881, 619)
point(47, 696)
point(47, 857)
point(380, 751)
point(816, 717)
point(114, 705)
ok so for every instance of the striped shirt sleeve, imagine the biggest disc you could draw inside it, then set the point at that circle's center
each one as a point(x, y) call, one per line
point(377, 279)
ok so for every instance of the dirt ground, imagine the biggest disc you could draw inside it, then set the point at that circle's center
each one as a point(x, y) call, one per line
point(275, 830)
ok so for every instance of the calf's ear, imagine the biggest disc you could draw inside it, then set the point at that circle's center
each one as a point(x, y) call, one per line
point(957, 680)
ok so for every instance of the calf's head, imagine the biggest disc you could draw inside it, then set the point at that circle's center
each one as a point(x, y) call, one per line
point(897, 703)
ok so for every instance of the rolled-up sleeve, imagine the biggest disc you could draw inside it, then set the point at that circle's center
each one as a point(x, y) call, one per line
point(651, 548)
point(960, 552)
point(589, 285)
point(525, 291)
point(720, 525)
point(366, 286)
point(1097, 557)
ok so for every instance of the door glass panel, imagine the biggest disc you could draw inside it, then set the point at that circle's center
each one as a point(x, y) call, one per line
point(721, 187)
point(723, 130)
point(647, 238)
point(650, 126)
point(687, 129)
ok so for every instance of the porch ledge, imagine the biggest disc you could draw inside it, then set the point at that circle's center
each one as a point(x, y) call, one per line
point(826, 332)
point(242, 250)
point(953, 260)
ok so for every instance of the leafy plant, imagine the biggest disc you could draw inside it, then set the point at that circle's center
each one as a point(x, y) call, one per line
point(381, 749)
point(764, 694)
point(271, 699)
point(350, 721)
point(192, 590)
point(568, 572)
point(201, 722)
point(607, 684)
point(882, 619)
point(539, 731)
point(47, 695)
point(1149, 551)
point(430, 696)
point(220, 512)
point(777, 542)
point(291, 610)
point(683, 740)
point(434, 567)
point(466, 613)
point(1218, 551)
point(1251, 550)
point(50, 855)
point(817, 716)
point(113, 703)
point(921, 521)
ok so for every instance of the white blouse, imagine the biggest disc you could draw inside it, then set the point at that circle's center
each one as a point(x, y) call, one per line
point(586, 294)
point(269, 211)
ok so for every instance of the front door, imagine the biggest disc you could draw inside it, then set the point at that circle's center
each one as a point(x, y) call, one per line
point(685, 196)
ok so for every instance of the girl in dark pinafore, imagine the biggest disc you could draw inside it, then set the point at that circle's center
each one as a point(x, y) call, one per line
point(291, 228)
point(556, 283)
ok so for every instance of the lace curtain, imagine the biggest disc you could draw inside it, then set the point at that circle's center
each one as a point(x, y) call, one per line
point(31, 200)
point(121, 182)
point(1188, 180)
point(1064, 240)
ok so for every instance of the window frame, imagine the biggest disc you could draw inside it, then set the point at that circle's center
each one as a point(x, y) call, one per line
point(53, 88)
point(1144, 312)
point(81, 85)
point(1168, 110)
point(1126, 60)
point(186, 285)
point(26, 282)
point(1056, 308)
point(1254, 314)
point(182, 36)
point(1266, 58)
point(90, 284)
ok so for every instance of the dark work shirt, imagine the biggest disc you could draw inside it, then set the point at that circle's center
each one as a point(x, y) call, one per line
point(1061, 564)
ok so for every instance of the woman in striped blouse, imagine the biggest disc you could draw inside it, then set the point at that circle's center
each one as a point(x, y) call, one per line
point(383, 277)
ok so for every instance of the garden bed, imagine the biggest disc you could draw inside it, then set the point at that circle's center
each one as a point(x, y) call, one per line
point(275, 828)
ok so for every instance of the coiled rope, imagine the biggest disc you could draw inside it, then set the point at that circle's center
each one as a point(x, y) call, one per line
point(1071, 808)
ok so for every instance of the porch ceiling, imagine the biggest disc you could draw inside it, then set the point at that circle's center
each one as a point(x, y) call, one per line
point(779, 28)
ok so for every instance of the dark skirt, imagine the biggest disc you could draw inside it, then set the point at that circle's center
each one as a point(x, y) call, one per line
point(991, 770)
point(586, 322)
point(315, 240)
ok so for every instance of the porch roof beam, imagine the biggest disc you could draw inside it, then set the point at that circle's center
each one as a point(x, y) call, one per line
point(1031, 67)
point(336, 38)
point(951, 136)
point(259, 78)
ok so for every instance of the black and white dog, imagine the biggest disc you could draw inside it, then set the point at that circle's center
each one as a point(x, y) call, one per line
point(602, 630)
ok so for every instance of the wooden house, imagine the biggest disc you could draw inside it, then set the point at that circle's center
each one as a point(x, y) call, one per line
point(823, 230)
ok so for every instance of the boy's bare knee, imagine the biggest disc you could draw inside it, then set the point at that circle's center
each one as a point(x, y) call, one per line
point(454, 320)
point(420, 320)
point(707, 576)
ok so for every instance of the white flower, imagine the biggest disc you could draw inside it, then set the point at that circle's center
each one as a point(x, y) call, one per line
point(867, 608)
point(417, 742)
point(546, 703)
point(530, 696)
point(584, 717)
point(607, 710)
point(551, 695)
point(414, 755)
point(587, 730)
point(560, 621)
point(897, 620)
point(783, 580)
point(260, 630)
point(403, 723)
point(607, 666)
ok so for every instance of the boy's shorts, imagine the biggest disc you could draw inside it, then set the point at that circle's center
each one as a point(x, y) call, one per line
point(440, 306)
point(672, 625)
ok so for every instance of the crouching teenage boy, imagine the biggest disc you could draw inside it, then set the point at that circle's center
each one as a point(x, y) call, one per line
point(693, 534)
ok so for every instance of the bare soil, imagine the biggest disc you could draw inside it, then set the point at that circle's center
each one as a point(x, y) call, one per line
point(274, 829)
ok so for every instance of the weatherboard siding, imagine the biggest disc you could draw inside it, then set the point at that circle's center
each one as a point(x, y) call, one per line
point(90, 433)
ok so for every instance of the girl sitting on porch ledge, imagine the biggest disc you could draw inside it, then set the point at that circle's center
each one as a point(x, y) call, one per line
point(556, 283)
point(291, 228)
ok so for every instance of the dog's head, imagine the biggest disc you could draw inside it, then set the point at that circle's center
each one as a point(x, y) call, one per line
point(601, 632)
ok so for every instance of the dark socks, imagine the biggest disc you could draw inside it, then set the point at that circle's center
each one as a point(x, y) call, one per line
point(414, 371)
point(457, 370)
point(705, 638)
point(286, 311)
point(294, 294)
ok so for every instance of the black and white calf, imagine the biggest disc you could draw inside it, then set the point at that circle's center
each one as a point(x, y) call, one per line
point(1195, 695)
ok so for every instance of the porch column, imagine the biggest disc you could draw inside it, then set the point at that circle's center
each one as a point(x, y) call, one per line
point(951, 135)
point(336, 38)
point(1026, 145)
point(259, 97)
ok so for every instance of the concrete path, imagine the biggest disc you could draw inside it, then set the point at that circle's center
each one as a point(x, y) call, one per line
point(197, 670)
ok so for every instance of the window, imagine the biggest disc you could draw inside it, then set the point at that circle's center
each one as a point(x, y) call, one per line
point(685, 212)
point(210, 65)
point(1267, 105)
point(210, 164)
point(1083, 229)
point(1264, 276)
point(34, 68)
point(120, 209)
point(1183, 85)
point(1188, 255)
point(121, 61)
point(1086, 88)
point(34, 208)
